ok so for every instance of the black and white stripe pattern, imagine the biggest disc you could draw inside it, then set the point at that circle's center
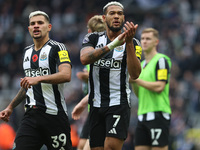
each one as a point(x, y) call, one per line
point(47, 97)
point(162, 64)
point(109, 78)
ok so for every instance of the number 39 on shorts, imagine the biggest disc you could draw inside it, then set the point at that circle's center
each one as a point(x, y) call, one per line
point(59, 140)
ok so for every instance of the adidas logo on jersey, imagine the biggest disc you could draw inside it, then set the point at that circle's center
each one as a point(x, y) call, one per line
point(27, 59)
point(112, 131)
point(99, 46)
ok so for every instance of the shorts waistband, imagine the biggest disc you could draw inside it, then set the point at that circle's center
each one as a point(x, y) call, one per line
point(31, 107)
point(152, 116)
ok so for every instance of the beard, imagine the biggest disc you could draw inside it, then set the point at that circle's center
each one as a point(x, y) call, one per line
point(115, 29)
point(37, 37)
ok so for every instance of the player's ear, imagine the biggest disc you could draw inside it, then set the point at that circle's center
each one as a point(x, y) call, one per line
point(157, 41)
point(104, 17)
point(28, 28)
point(124, 18)
point(89, 30)
point(49, 27)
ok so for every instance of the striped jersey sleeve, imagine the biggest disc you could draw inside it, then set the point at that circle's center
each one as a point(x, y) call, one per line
point(63, 54)
point(49, 98)
point(162, 70)
point(108, 77)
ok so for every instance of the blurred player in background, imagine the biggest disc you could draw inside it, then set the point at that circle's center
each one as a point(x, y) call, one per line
point(113, 56)
point(47, 67)
point(152, 88)
point(95, 24)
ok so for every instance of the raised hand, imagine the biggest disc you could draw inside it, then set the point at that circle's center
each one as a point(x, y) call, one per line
point(130, 30)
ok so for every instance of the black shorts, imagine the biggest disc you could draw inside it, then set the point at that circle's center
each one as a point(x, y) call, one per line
point(153, 133)
point(108, 122)
point(38, 128)
point(85, 130)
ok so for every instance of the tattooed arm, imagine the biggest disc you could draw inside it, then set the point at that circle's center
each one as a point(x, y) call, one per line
point(5, 114)
point(89, 55)
point(64, 75)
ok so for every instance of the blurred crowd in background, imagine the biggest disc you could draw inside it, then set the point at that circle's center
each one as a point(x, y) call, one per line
point(178, 22)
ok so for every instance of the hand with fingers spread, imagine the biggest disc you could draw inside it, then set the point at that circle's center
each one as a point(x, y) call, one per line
point(130, 30)
point(122, 38)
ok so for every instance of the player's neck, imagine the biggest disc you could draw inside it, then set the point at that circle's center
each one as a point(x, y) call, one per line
point(39, 43)
point(149, 55)
point(112, 35)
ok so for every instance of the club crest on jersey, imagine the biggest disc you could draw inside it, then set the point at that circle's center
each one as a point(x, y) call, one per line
point(43, 56)
point(119, 48)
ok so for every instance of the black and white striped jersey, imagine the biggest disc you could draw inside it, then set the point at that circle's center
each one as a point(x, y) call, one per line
point(108, 77)
point(48, 97)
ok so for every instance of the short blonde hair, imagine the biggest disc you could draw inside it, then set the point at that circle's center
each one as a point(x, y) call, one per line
point(154, 31)
point(38, 12)
point(96, 24)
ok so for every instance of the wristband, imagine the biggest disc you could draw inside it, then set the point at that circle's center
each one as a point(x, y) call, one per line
point(116, 42)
